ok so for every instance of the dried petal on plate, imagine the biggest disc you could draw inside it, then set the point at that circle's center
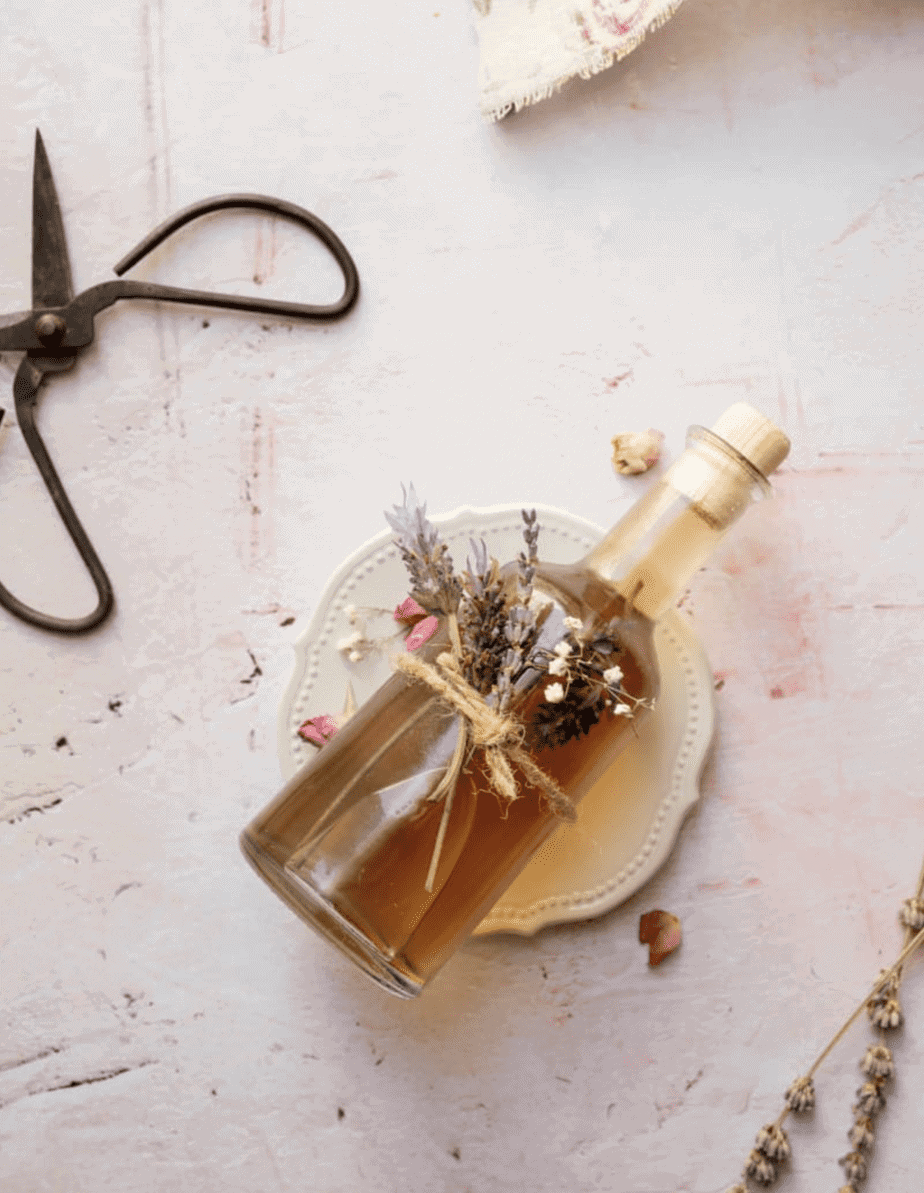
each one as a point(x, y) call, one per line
point(636, 451)
point(421, 633)
point(661, 931)
point(409, 611)
point(318, 730)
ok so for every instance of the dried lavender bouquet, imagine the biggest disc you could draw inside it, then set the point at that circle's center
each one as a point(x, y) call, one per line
point(495, 623)
point(494, 626)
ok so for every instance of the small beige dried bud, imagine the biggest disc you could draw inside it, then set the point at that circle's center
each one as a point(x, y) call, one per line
point(887, 1014)
point(870, 1098)
point(760, 1169)
point(738, 1189)
point(878, 1061)
point(773, 1142)
point(636, 451)
point(854, 1166)
point(847, 1189)
point(861, 1134)
point(885, 992)
point(801, 1094)
point(912, 914)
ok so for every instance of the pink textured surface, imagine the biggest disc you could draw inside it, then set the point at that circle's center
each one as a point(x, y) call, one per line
point(734, 212)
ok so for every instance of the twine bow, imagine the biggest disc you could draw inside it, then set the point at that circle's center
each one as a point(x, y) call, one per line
point(499, 735)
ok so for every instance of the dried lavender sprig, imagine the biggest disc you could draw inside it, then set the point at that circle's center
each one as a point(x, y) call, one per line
point(877, 1064)
point(885, 977)
point(522, 628)
point(908, 914)
point(527, 559)
point(520, 635)
point(434, 583)
point(482, 615)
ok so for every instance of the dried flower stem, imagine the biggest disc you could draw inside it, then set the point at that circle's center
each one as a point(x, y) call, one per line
point(884, 978)
point(447, 784)
point(444, 822)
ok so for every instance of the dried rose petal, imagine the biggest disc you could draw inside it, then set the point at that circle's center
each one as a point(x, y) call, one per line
point(409, 611)
point(421, 633)
point(661, 932)
point(318, 730)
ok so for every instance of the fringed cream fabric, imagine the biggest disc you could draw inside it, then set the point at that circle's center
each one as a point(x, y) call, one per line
point(530, 48)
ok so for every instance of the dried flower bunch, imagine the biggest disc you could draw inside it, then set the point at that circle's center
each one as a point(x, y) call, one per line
point(771, 1147)
point(586, 683)
point(496, 620)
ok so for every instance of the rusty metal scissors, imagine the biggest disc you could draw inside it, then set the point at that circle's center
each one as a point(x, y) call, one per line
point(59, 325)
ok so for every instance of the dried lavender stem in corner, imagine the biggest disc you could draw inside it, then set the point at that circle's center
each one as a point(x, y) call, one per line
point(883, 980)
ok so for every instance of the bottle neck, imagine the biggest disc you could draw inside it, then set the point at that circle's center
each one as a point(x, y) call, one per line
point(654, 551)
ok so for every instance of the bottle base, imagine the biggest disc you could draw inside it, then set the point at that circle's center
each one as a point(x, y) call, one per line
point(311, 907)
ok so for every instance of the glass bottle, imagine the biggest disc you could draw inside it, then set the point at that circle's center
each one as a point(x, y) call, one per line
point(350, 841)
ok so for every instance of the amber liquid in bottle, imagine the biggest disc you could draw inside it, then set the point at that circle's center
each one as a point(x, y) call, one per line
point(349, 841)
point(487, 842)
point(358, 865)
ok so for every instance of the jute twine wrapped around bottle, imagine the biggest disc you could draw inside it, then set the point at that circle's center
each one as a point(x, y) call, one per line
point(499, 735)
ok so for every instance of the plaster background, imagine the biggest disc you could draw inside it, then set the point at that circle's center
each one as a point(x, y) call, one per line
point(733, 212)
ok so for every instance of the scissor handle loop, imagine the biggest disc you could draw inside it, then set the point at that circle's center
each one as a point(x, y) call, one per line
point(272, 206)
point(25, 386)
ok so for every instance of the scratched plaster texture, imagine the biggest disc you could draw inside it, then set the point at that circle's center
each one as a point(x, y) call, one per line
point(735, 211)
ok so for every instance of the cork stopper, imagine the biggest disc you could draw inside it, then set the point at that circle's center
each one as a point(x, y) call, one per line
point(758, 439)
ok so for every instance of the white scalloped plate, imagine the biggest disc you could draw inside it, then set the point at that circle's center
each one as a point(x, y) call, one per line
point(628, 822)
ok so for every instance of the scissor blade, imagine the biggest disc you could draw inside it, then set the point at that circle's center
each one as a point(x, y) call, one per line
point(51, 273)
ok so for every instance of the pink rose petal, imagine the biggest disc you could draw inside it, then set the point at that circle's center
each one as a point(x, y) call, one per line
point(409, 611)
point(421, 633)
point(318, 730)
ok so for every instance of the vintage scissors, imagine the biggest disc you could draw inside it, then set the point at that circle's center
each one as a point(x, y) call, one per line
point(60, 325)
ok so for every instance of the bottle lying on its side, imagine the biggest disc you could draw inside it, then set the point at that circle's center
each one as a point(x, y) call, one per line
point(398, 837)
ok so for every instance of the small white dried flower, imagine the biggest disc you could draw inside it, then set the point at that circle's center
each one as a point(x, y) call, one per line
point(760, 1169)
point(554, 693)
point(854, 1166)
point(622, 710)
point(912, 914)
point(350, 611)
point(887, 1014)
point(773, 1142)
point(563, 650)
point(636, 451)
point(878, 1061)
point(801, 1094)
point(351, 641)
point(861, 1133)
point(573, 623)
point(870, 1098)
point(558, 666)
point(612, 676)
